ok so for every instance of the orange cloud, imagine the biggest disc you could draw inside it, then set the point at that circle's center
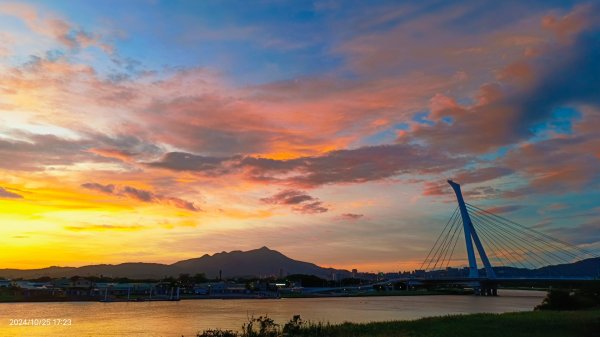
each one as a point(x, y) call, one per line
point(102, 228)
point(8, 194)
point(122, 155)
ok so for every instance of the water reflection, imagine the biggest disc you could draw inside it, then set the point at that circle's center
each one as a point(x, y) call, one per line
point(188, 317)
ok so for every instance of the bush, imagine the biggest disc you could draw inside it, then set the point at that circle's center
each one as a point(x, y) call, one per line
point(263, 326)
point(561, 299)
point(218, 333)
point(294, 326)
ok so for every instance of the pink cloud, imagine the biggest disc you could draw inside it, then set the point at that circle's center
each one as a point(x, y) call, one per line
point(505, 112)
point(49, 24)
point(564, 27)
point(341, 166)
point(141, 195)
point(504, 209)
point(8, 194)
point(302, 202)
point(311, 208)
point(351, 216)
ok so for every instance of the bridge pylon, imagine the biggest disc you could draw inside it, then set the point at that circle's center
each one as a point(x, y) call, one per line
point(471, 237)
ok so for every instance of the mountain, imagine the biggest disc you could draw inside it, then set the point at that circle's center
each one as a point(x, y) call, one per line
point(261, 262)
point(129, 270)
point(584, 268)
point(257, 262)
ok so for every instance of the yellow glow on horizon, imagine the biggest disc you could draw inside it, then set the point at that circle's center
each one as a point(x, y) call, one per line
point(57, 222)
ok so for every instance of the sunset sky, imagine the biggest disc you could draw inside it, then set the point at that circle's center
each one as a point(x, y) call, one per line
point(158, 131)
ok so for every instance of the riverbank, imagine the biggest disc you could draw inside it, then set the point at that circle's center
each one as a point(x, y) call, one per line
point(515, 324)
point(12, 298)
point(383, 293)
point(191, 317)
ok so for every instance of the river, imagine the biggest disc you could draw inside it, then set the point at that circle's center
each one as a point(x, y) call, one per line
point(187, 317)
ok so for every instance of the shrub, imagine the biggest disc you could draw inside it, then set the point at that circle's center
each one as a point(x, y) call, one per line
point(294, 326)
point(263, 326)
point(218, 333)
point(561, 299)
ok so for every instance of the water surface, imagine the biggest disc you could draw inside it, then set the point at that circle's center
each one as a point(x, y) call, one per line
point(187, 317)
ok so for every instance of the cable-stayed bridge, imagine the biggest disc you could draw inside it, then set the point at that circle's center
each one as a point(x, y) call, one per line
point(508, 252)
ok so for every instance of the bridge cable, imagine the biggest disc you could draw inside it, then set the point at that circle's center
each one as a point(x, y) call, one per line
point(442, 245)
point(449, 243)
point(551, 249)
point(453, 242)
point(514, 245)
point(484, 241)
point(435, 256)
point(510, 251)
point(537, 242)
point(438, 239)
point(505, 256)
point(518, 245)
point(453, 247)
point(541, 260)
point(534, 267)
point(551, 239)
point(529, 255)
point(538, 232)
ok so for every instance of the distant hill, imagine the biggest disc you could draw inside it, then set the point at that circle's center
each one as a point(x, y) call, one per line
point(584, 268)
point(261, 262)
point(587, 267)
point(129, 270)
point(257, 262)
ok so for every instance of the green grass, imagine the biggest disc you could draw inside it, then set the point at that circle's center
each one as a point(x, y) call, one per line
point(522, 324)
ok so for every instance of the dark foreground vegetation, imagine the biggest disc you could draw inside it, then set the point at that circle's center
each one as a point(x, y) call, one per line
point(562, 313)
point(522, 324)
point(586, 297)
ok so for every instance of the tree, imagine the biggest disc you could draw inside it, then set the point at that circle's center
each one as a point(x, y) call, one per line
point(199, 278)
point(562, 299)
point(184, 279)
point(42, 279)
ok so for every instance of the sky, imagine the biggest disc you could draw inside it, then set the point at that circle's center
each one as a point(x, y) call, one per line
point(157, 131)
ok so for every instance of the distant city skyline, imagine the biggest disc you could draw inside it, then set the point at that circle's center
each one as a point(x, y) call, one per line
point(158, 131)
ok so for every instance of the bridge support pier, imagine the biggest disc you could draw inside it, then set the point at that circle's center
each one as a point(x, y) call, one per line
point(486, 289)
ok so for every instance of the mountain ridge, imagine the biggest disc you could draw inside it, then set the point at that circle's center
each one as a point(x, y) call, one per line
point(252, 263)
point(259, 262)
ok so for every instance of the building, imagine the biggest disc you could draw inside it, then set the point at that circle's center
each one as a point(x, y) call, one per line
point(123, 289)
point(220, 288)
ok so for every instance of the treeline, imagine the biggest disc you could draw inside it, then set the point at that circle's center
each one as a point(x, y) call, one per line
point(585, 297)
point(310, 281)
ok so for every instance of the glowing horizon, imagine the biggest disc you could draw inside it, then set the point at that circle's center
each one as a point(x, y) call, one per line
point(153, 131)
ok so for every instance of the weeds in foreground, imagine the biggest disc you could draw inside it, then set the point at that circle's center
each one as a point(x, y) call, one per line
point(218, 333)
point(263, 326)
point(583, 323)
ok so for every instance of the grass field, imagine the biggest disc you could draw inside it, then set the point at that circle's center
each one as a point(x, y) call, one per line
point(525, 324)
point(521, 324)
